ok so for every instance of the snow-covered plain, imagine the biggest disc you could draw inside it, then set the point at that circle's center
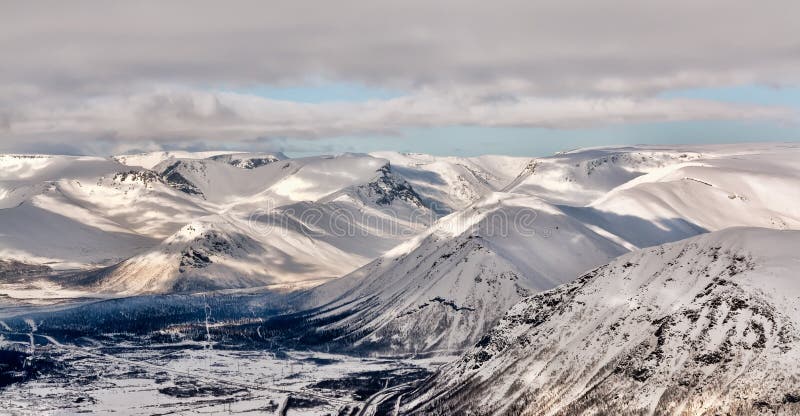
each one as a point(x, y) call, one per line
point(133, 379)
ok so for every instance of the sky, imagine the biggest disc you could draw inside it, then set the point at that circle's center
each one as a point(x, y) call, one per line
point(447, 77)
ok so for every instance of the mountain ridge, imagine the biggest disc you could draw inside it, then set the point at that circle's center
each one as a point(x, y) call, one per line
point(708, 324)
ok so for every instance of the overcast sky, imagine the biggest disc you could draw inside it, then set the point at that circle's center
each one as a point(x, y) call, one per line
point(447, 77)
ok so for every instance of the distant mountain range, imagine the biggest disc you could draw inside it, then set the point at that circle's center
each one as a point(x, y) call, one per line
point(181, 221)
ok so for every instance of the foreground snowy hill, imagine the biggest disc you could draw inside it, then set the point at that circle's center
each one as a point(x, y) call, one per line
point(444, 288)
point(707, 325)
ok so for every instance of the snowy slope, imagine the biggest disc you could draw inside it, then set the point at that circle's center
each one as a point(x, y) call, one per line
point(306, 219)
point(217, 253)
point(649, 195)
point(242, 160)
point(352, 216)
point(149, 160)
point(81, 211)
point(353, 202)
point(581, 176)
point(316, 217)
point(708, 325)
point(305, 179)
point(753, 188)
point(444, 288)
point(452, 183)
point(22, 176)
point(249, 160)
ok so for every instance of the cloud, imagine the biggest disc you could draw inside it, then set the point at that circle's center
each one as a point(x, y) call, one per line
point(549, 47)
point(148, 71)
point(179, 115)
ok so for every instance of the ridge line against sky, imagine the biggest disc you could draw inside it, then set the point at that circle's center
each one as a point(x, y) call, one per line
point(450, 77)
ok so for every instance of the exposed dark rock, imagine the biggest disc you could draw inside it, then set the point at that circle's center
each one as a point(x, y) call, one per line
point(246, 162)
point(15, 269)
point(173, 178)
point(388, 187)
point(451, 304)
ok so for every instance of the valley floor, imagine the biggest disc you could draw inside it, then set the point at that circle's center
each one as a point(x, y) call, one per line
point(124, 376)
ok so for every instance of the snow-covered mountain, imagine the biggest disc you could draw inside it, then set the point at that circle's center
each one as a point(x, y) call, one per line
point(442, 289)
point(218, 253)
point(707, 325)
point(249, 160)
point(452, 183)
point(149, 160)
point(311, 218)
point(733, 186)
point(349, 217)
point(581, 176)
point(72, 212)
